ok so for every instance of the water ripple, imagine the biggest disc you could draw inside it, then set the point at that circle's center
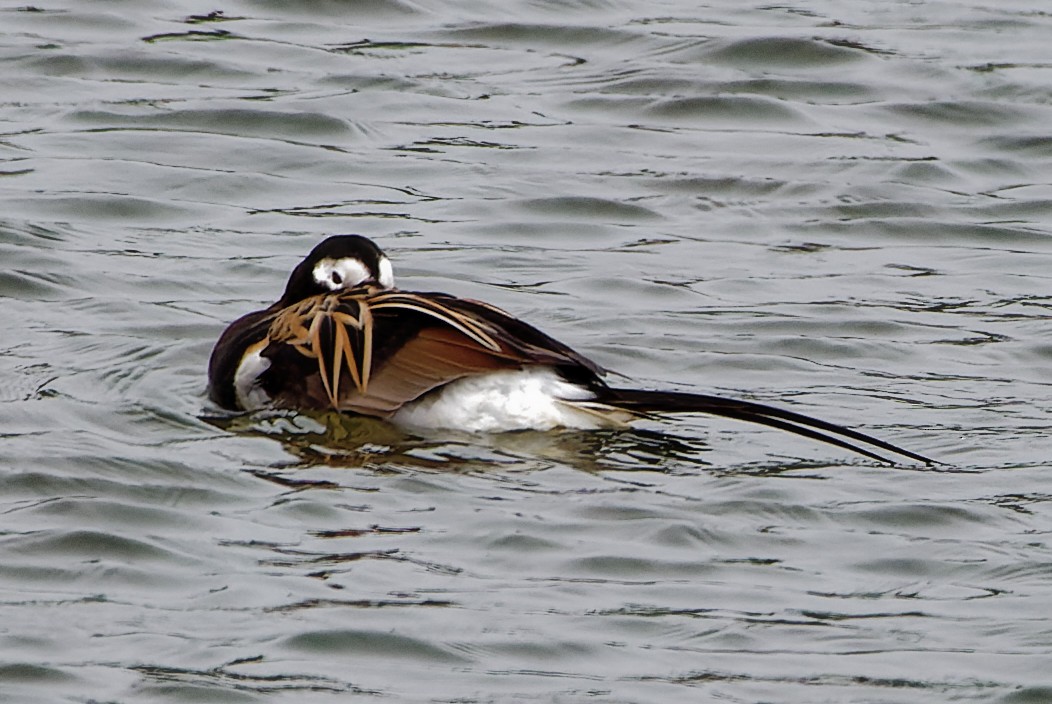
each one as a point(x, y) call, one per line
point(840, 210)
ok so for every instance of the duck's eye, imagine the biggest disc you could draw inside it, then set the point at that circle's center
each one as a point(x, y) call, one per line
point(336, 278)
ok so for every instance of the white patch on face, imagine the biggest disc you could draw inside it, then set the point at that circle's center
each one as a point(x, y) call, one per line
point(386, 273)
point(338, 274)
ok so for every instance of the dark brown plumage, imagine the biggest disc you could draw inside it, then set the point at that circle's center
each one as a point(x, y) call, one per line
point(360, 346)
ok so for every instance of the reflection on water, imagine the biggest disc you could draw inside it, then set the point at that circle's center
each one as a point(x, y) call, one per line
point(838, 209)
point(335, 440)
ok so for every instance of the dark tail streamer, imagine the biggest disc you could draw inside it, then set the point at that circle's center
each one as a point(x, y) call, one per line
point(823, 431)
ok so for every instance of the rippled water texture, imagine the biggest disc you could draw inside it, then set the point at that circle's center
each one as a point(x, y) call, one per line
point(844, 208)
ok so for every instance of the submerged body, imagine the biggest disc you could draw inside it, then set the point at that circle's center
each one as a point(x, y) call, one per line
point(342, 337)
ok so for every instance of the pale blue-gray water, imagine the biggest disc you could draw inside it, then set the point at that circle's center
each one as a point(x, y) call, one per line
point(843, 208)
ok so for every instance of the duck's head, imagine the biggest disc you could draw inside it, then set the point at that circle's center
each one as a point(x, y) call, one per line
point(340, 262)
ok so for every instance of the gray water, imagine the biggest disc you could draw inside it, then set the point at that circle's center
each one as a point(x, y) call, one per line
point(843, 208)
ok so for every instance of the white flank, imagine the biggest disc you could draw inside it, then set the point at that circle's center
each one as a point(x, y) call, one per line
point(528, 399)
point(246, 387)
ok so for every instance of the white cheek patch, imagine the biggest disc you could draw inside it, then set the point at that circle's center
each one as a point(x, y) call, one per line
point(349, 272)
point(386, 273)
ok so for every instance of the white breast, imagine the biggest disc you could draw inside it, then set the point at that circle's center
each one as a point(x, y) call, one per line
point(246, 379)
point(529, 399)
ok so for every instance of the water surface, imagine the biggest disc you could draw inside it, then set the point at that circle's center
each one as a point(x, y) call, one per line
point(840, 208)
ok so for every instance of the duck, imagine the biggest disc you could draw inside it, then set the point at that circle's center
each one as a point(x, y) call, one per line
point(342, 337)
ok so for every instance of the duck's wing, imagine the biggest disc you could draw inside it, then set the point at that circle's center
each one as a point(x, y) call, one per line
point(372, 351)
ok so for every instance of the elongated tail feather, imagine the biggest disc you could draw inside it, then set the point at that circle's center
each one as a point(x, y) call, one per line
point(823, 431)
